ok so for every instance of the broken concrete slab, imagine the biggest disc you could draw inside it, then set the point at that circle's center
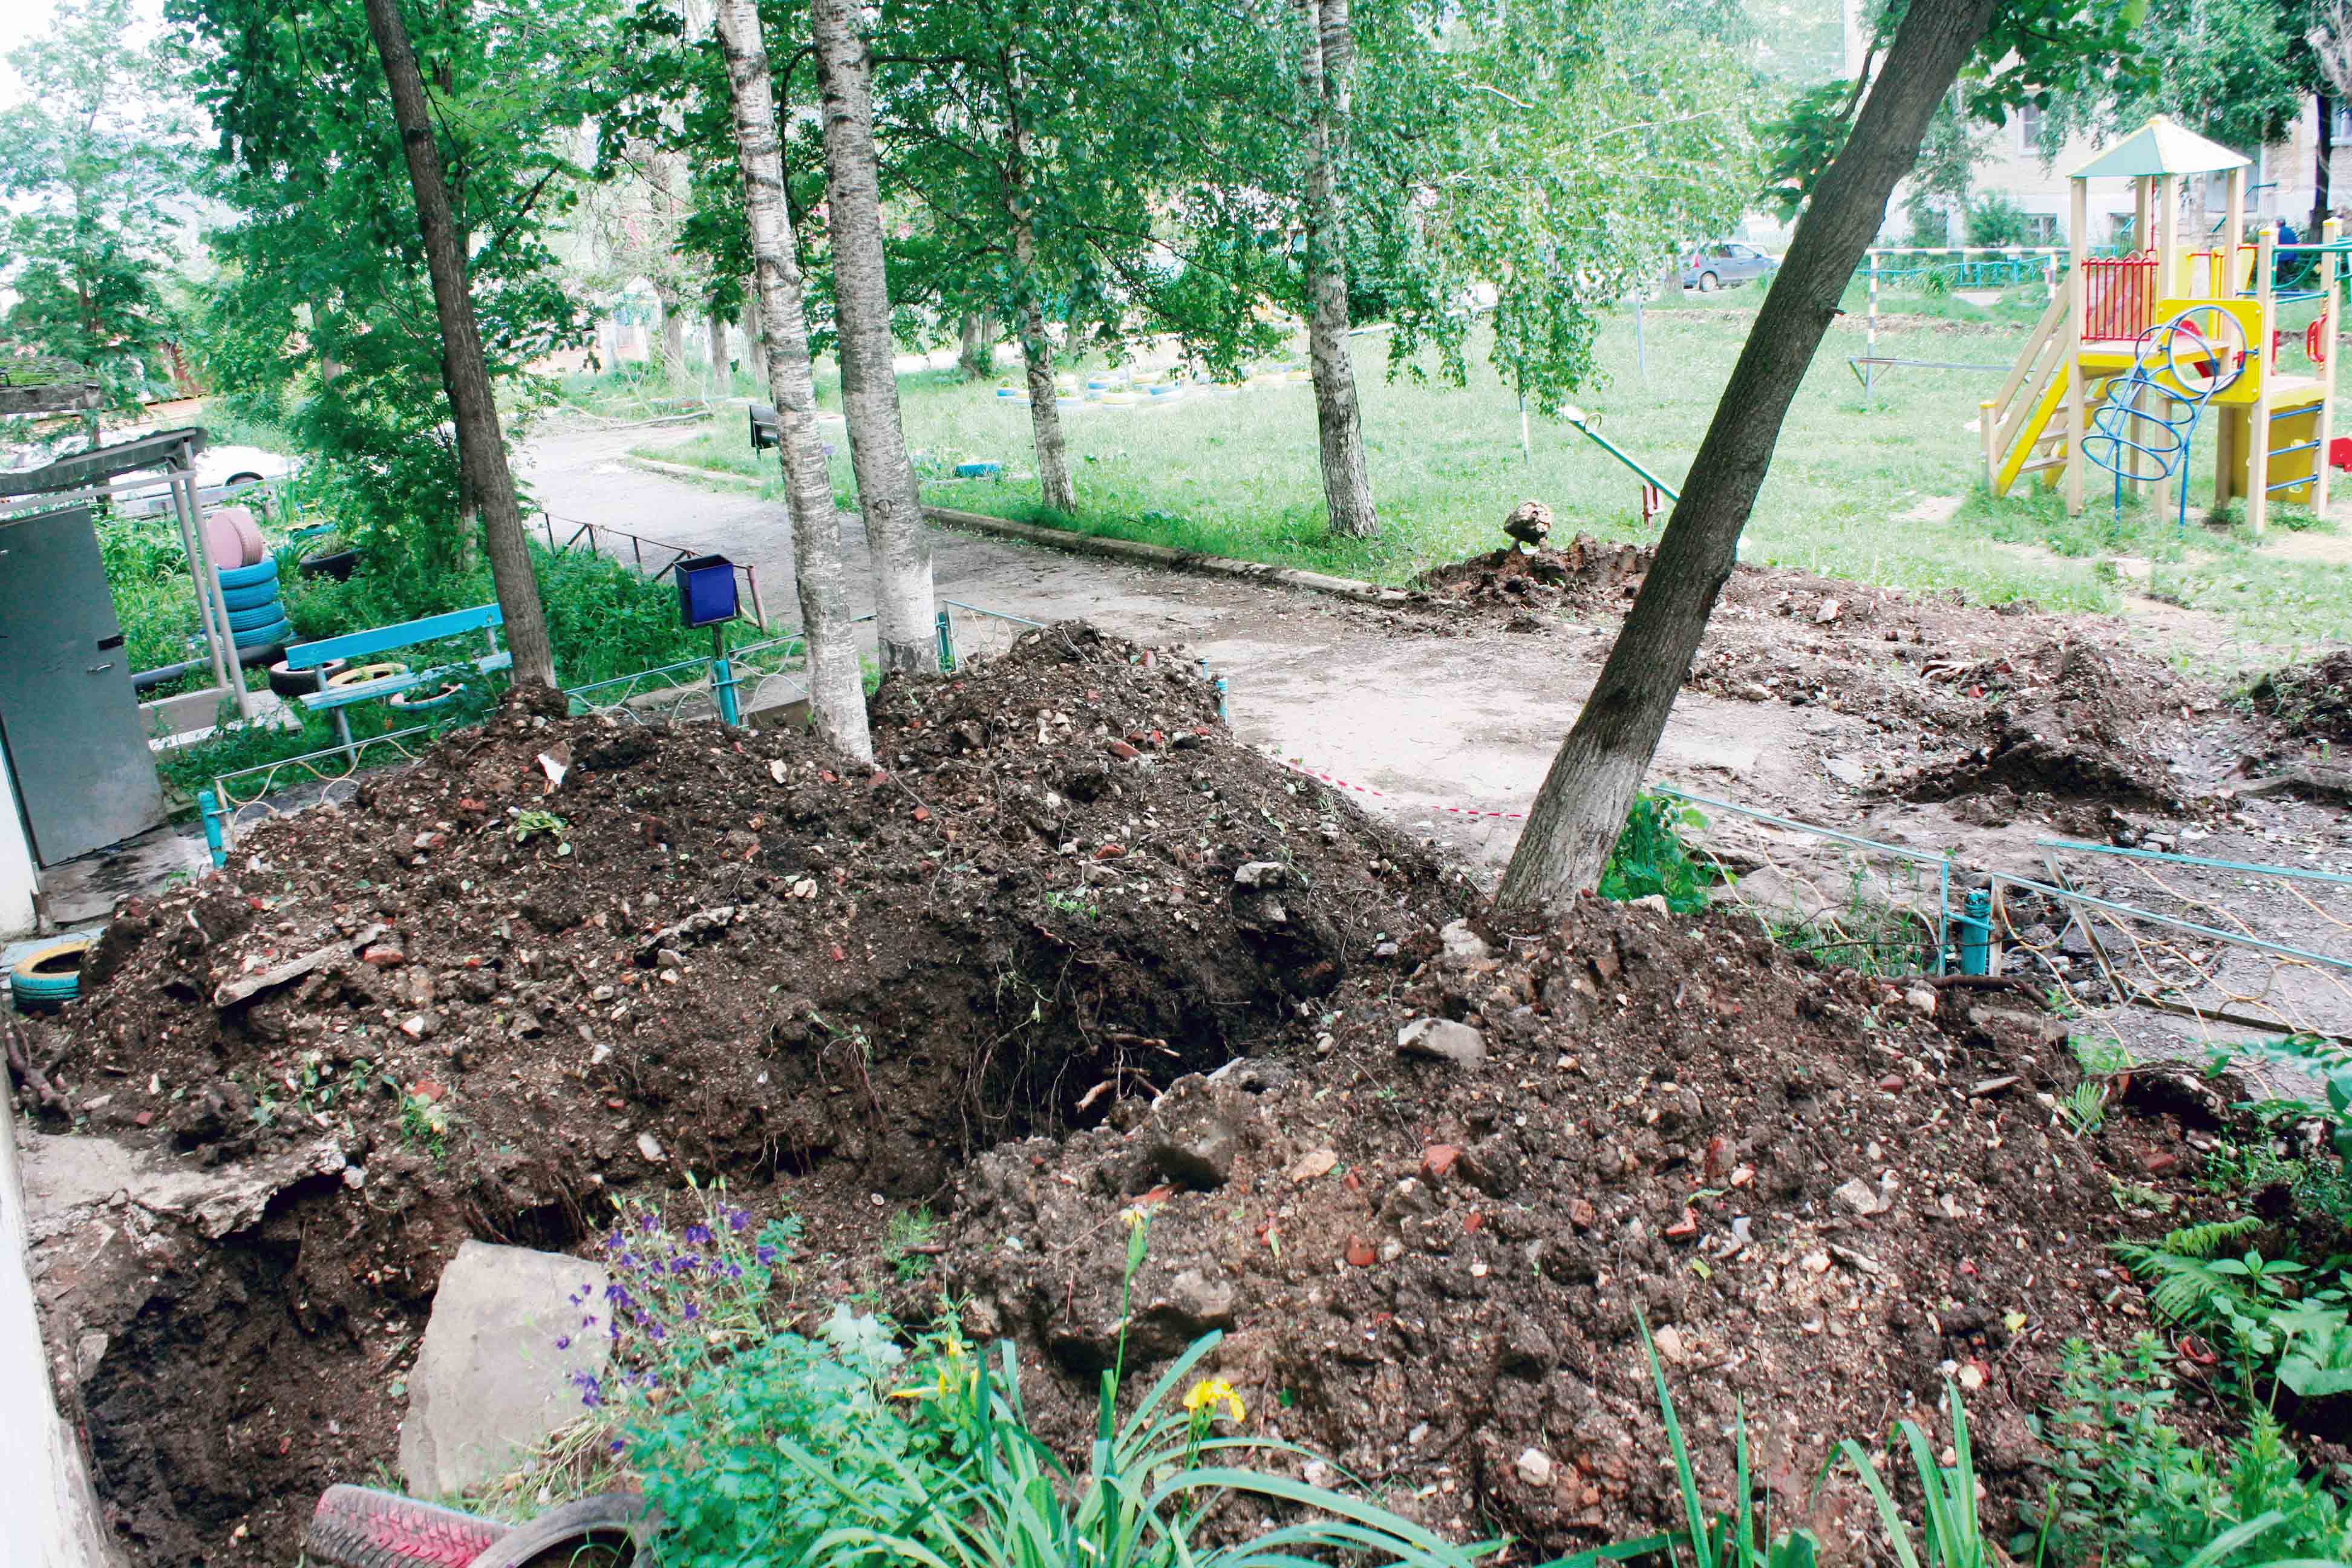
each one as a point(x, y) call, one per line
point(502, 1350)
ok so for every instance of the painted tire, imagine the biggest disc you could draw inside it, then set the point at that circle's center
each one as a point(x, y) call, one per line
point(265, 571)
point(266, 614)
point(250, 598)
point(360, 1527)
point(49, 976)
point(360, 675)
point(279, 630)
point(417, 699)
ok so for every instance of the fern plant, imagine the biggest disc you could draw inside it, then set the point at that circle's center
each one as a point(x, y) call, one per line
point(2274, 1322)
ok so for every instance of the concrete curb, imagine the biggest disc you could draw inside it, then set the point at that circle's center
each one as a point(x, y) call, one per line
point(1129, 550)
point(1160, 555)
point(688, 471)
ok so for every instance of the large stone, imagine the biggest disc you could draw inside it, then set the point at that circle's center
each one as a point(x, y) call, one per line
point(1462, 943)
point(501, 1351)
point(1194, 1138)
point(1442, 1040)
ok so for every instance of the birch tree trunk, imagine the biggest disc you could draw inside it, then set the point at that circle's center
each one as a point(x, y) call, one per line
point(673, 343)
point(481, 445)
point(1326, 73)
point(836, 689)
point(1582, 806)
point(898, 539)
point(1054, 485)
point(715, 324)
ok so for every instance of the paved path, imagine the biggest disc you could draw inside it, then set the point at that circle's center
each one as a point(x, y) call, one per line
point(1468, 721)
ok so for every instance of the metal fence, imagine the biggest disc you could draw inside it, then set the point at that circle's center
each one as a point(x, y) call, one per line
point(601, 539)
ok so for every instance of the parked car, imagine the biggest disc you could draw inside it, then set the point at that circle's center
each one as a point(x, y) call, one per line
point(223, 473)
point(1710, 267)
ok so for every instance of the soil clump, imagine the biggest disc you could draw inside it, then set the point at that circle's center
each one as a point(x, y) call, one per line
point(1826, 1195)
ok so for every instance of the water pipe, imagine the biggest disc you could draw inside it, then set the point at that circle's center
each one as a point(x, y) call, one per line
point(1576, 417)
point(1974, 924)
point(208, 808)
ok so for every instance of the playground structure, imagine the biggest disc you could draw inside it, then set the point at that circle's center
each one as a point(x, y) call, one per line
point(2137, 351)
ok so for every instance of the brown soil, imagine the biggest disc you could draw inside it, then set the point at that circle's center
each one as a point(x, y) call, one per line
point(733, 958)
point(2003, 705)
point(1826, 1202)
point(1065, 894)
point(2309, 705)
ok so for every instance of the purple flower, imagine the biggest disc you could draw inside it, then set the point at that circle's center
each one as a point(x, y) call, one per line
point(618, 1445)
point(587, 1320)
point(649, 1224)
point(563, 1341)
point(592, 1391)
point(737, 1220)
point(766, 1254)
point(681, 1265)
point(618, 1295)
point(656, 1332)
point(613, 1242)
point(734, 1270)
point(698, 1234)
point(693, 1313)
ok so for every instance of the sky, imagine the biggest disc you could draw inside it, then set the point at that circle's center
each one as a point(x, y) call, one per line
point(21, 21)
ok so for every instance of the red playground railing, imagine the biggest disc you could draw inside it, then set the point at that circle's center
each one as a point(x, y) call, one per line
point(2118, 297)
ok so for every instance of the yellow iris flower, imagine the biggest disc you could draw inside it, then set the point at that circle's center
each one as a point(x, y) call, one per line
point(1212, 1392)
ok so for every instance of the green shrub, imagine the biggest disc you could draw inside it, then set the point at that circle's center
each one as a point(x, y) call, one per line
point(1651, 856)
point(2129, 1492)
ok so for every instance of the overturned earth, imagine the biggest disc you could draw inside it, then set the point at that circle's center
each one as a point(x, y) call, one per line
point(1068, 950)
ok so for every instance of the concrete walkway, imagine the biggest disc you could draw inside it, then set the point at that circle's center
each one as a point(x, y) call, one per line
point(1366, 695)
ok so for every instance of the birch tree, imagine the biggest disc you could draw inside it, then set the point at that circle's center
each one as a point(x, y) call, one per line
point(896, 538)
point(836, 687)
point(1327, 65)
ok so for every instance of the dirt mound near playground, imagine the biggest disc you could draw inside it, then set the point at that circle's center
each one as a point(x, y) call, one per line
point(1585, 577)
point(1827, 1195)
point(2309, 704)
point(2067, 724)
point(558, 958)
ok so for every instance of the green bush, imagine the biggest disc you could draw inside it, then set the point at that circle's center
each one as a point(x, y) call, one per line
point(1650, 857)
point(1994, 220)
point(2128, 1491)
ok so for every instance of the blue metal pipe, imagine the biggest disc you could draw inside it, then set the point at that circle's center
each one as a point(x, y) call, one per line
point(2295, 873)
point(208, 808)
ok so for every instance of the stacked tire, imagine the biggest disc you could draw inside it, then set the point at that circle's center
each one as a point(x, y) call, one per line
point(255, 617)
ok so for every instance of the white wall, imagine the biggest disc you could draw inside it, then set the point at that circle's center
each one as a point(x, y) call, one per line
point(16, 882)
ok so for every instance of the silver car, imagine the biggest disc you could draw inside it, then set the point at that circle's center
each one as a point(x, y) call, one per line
point(1710, 267)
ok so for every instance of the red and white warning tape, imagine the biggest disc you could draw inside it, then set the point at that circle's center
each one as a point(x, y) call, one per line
point(1361, 789)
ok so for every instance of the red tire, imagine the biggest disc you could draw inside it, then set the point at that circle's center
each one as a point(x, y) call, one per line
point(360, 1527)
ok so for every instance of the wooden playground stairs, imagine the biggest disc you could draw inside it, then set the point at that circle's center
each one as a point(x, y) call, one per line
point(2028, 429)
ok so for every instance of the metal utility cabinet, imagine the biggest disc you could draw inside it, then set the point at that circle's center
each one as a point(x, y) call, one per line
point(74, 740)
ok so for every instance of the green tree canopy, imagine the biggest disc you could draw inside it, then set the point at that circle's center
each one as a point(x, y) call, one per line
point(95, 170)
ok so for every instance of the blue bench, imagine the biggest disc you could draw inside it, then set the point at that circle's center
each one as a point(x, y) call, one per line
point(357, 648)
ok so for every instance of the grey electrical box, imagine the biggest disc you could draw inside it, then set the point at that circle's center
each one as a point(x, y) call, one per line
point(70, 731)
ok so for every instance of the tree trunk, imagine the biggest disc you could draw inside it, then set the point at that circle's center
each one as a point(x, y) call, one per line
point(481, 445)
point(1590, 787)
point(836, 687)
point(897, 539)
point(2320, 172)
point(1055, 487)
point(1326, 73)
point(755, 342)
point(976, 357)
point(721, 369)
point(1054, 484)
point(672, 342)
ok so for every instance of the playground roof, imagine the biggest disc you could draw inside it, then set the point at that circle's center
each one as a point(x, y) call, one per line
point(2160, 147)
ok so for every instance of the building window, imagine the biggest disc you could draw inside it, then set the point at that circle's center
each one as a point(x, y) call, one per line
point(2343, 132)
point(2029, 128)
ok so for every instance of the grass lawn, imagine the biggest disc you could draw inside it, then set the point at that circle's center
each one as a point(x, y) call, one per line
point(1879, 490)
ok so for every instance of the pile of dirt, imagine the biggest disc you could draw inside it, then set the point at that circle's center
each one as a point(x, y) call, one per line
point(559, 958)
point(1587, 576)
point(2067, 724)
point(1428, 1237)
point(2309, 705)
